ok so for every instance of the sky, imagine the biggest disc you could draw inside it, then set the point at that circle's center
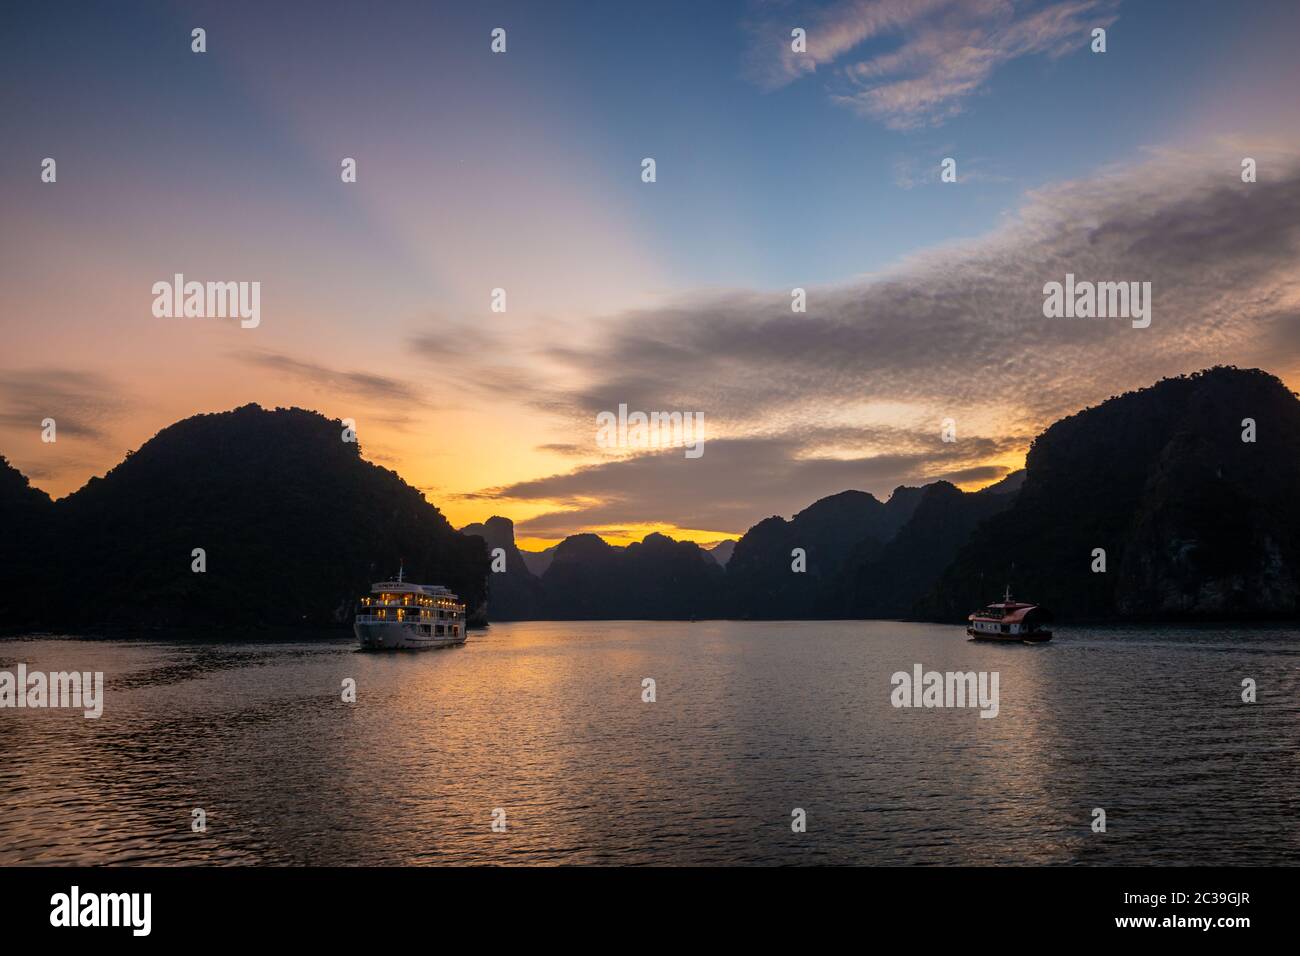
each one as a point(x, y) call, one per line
point(523, 171)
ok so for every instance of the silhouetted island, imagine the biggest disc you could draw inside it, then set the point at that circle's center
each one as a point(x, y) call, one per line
point(293, 523)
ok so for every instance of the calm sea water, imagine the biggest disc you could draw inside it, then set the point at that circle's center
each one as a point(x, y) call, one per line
point(546, 721)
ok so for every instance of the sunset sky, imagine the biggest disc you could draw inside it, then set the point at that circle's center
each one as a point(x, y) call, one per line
point(522, 171)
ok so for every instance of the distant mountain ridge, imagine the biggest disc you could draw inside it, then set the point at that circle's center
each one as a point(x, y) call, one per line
point(888, 580)
point(538, 561)
point(654, 579)
point(843, 537)
point(721, 551)
point(761, 580)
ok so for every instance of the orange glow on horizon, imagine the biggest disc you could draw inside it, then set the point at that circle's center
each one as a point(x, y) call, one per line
point(631, 534)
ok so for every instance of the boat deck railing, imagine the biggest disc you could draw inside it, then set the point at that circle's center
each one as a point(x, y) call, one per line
point(374, 602)
point(409, 619)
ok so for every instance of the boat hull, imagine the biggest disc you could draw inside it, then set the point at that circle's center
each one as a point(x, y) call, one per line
point(1034, 637)
point(394, 636)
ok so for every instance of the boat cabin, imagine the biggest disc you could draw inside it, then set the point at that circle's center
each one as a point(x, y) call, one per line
point(432, 608)
point(1009, 618)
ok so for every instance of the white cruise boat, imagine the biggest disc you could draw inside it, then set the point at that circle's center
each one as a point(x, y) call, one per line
point(399, 615)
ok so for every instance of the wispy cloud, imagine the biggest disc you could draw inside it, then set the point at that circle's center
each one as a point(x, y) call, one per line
point(83, 404)
point(947, 50)
point(87, 409)
point(736, 483)
point(380, 388)
point(831, 32)
point(565, 448)
point(1220, 254)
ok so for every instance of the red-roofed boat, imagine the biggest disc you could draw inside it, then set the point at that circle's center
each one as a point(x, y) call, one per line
point(1010, 621)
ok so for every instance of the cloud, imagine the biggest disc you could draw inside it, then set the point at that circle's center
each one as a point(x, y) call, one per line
point(851, 394)
point(86, 407)
point(379, 388)
point(735, 483)
point(83, 404)
point(978, 473)
point(962, 325)
point(948, 51)
point(831, 32)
